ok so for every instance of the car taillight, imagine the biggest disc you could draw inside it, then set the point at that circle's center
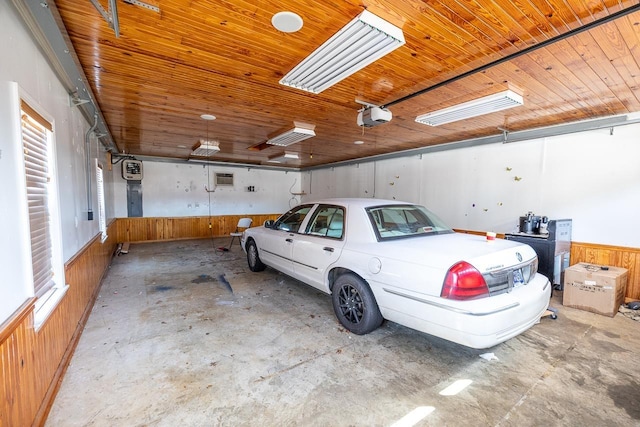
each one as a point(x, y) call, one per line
point(463, 282)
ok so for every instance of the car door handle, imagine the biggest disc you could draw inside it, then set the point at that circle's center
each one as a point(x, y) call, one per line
point(328, 249)
point(289, 240)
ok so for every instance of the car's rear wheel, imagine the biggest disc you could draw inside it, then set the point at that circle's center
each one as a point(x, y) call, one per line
point(354, 304)
point(255, 264)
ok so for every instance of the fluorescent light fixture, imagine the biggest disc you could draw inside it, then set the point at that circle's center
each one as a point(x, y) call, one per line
point(362, 41)
point(284, 157)
point(477, 107)
point(205, 148)
point(300, 132)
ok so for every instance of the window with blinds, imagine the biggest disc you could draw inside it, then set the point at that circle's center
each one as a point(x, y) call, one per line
point(36, 146)
point(102, 221)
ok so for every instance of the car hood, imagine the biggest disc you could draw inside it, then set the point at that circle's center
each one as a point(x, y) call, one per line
point(442, 251)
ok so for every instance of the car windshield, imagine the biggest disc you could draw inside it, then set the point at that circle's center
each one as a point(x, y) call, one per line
point(400, 221)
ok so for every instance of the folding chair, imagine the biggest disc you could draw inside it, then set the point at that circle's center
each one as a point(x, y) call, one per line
point(243, 224)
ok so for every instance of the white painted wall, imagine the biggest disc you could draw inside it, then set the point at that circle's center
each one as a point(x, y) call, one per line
point(17, 278)
point(23, 66)
point(179, 189)
point(591, 177)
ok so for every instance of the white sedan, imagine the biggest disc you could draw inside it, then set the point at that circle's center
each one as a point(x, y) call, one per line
point(383, 259)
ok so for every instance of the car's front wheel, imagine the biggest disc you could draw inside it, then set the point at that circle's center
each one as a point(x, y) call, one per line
point(255, 264)
point(354, 304)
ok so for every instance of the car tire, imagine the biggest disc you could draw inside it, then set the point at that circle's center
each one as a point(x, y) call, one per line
point(354, 304)
point(255, 264)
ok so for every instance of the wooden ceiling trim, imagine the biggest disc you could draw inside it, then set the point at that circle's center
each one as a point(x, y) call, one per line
point(508, 19)
point(557, 78)
point(225, 58)
point(435, 27)
point(552, 16)
point(470, 41)
point(589, 49)
point(619, 52)
point(573, 14)
point(539, 27)
point(510, 57)
point(151, 68)
point(160, 51)
point(582, 73)
point(600, 9)
point(237, 32)
point(154, 74)
point(538, 23)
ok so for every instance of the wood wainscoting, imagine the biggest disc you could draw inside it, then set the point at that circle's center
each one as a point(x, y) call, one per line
point(615, 256)
point(194, 227)
point(33, 363)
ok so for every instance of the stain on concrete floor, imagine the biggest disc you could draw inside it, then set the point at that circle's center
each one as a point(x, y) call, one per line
point(203, 278)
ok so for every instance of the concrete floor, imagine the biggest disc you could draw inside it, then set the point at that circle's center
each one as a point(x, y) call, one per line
point(182, 335)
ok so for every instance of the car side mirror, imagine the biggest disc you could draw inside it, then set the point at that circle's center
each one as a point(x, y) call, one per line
point(269, 223)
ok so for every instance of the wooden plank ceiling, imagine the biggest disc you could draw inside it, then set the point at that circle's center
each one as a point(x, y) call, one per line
point(225, 58)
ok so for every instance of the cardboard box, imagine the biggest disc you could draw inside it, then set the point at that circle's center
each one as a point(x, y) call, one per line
point(595, 288)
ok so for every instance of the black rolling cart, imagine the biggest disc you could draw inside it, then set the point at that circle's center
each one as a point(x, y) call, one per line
point(552, 247)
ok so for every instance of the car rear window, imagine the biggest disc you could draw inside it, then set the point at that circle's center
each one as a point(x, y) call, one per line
point(401, 221)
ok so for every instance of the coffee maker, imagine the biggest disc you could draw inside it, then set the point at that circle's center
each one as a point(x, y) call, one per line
point(533, 224)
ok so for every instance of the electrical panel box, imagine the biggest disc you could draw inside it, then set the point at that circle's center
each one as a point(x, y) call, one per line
point(132, 170)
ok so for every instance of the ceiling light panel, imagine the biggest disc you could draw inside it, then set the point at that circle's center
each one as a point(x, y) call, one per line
point(205, 148)
point(362, 41)
point(477, 107)
point(292, 136)
point(284, 157)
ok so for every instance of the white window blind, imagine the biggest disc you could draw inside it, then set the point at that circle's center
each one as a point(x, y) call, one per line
point(102, 222)
point(35, 140)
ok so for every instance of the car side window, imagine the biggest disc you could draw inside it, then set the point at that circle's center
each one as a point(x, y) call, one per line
point(292, 220)
point(328, 222)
